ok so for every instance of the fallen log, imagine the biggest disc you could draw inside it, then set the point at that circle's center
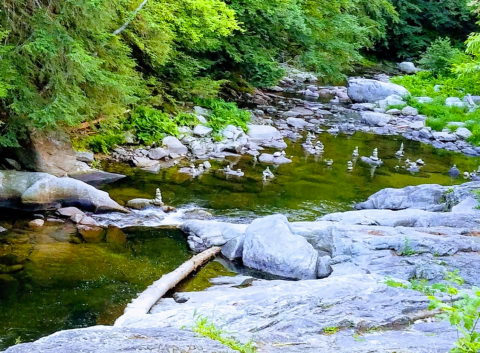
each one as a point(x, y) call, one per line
point(146, 300)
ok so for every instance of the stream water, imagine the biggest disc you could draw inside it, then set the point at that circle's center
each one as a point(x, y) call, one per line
point(59, 284)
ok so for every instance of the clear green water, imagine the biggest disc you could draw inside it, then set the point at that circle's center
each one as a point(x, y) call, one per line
point(304, 189)
point(65, 285)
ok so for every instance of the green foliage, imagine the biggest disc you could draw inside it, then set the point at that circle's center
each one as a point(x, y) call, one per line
point(151, 125)
point(407, 248)
point(439, 57)
point(439, 115)
point(186, 119)
point(103, 142)
point(463, 313)
point(421, 22)
point(206, 328)
point(224, 114)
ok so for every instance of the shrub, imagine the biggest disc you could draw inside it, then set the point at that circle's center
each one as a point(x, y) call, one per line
point(224, 114)
point(151, 125)
point(439, 56)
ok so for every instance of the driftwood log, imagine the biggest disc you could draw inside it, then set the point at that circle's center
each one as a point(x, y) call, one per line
point(146, 300)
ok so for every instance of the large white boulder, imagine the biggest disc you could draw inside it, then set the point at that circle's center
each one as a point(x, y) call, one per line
point(37, 191)
point(362, 90)
point(259, 133)
point(271, 246)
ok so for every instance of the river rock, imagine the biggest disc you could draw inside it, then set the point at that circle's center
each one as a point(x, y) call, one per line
point(174, 145)
point(157, 153)
point(202, 131)
point(361, 90)
point(271, 159)
point(88, 221)
point(270, 246)
point(410, 111)
point(428, 197)
point(202, 235)
point(139, 204)
point(299, 111)
point(13, 163)
point(393, 100)
point(46, 151)
point(86, 156)
point(36, 223)
point(463, 133)
point(297, 123)
point(424, 99)
point(454, 102)
point(69, 211)
point(444, 136)
point(144, 162)
point(375, 119)
point(38, 191)
point(76, 218)
point(407, 67)
point(115, 235)
point(96, 177)
point(260, 133)
point(91, 234)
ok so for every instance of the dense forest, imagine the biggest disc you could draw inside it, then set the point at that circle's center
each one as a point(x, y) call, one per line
point(65, 62)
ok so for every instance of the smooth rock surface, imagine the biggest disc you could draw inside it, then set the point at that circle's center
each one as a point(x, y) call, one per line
point(270, 246)
point(38, 191)
point(369, 91)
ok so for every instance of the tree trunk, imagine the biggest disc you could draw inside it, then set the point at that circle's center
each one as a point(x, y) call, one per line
point(146, 300)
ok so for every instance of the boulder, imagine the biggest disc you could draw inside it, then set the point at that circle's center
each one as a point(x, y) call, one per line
point(91, 234)
point(201, 130)
point(407, 67)
point(361, 90)
point(410, 111)
point(69, 211)
point(271, 159)
point(428, 197)
point(260, 133)
point(393, 100)
point(375, 119)
point(424, 99)
point(47, 151)
point(297, 123)
point(202, 235)
point(174, 145)
point(463, 133)
point(144, 162)
point(86, 157)
point(115, 235)
point(455, 102)
point(96, 177)
point(157, 153)
point(139, 204)
point(444, 136)
point(36, 223)
point(39, 191)
point(270, 246)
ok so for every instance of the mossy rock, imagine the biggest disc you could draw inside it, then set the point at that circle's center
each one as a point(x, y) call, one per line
point(91, 234)
point(115, 235)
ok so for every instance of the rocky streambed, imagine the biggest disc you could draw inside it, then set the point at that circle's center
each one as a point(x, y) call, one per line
point(328, 260)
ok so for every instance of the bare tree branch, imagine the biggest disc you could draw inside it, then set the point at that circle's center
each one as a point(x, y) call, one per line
point(134, 14)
